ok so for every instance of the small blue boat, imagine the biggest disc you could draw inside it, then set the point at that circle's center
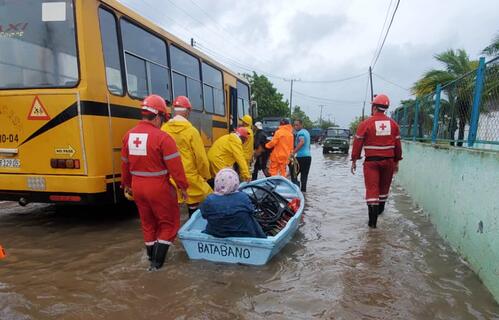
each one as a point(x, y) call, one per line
point(245, 250)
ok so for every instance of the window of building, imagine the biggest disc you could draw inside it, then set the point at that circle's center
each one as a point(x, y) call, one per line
point(109, 37)
point(213, 90)
point(146, 61)
point(186, 77)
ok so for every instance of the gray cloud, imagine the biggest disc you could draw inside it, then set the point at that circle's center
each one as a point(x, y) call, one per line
point(326, 39)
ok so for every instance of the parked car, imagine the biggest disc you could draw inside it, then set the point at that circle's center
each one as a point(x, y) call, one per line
point(336, 140)
point(315, 134)
point(270, 125)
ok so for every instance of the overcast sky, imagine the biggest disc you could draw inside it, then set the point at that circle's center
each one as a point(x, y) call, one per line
point(317, 40)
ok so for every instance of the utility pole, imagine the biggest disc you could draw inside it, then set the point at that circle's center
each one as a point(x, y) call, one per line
point(320, 118)
point(291, 99)
point(371, 81)
point(363, 108)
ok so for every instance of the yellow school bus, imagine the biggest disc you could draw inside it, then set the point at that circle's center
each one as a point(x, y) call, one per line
point(72, 75)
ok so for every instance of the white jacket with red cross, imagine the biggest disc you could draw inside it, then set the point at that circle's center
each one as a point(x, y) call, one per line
point(380, 137)
point(149, 152)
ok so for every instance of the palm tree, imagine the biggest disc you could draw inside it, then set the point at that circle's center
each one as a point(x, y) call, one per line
point(457, 64)
point(492, 49)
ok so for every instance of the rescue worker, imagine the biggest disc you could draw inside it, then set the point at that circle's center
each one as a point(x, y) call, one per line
point(247, 122)
point(379, 135)
point(149, 158)
point(227, 151)
point(282, 145)
point(192, 152)
point(261, 153)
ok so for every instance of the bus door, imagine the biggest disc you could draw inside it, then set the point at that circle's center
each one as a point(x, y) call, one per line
point(233, 108)
point(41, 134)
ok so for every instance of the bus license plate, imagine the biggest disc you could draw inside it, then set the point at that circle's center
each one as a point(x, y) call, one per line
point(10, 163)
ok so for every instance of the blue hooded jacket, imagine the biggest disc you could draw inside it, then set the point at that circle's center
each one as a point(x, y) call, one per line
point(230, 215)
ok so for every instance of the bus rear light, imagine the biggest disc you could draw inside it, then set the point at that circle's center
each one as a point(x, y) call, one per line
point(65, 198)
point(65, 163)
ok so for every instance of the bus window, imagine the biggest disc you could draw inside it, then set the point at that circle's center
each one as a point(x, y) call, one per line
point(37, 44)
point(146, 62)
point(242, 98)
point(186, 76)
point(110, 47)
point(213, 90)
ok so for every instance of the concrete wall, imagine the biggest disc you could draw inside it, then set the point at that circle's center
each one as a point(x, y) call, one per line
point(459, 189)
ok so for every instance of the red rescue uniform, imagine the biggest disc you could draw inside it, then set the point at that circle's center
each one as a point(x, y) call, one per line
point(149, 157)
point(380, 137)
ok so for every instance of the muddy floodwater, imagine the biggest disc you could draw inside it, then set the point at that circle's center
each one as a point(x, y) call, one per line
point(89, 263)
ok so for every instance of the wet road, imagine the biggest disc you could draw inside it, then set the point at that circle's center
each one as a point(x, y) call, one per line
point(89, 264)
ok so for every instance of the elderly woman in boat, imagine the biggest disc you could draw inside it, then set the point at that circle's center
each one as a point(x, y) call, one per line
point(229, 212)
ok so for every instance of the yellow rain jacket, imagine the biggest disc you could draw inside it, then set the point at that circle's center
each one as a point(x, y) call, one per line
point(193, 155)
point(248, 146)
point(226, 151)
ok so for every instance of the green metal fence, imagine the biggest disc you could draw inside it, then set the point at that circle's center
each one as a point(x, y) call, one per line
point(464, 112)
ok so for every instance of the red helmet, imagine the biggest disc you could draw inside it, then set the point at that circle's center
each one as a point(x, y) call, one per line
point(381, 100)
point(242, 132)
point(154, 104)
point(182, 102)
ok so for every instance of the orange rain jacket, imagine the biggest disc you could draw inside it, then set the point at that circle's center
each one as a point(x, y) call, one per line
point(282, 143)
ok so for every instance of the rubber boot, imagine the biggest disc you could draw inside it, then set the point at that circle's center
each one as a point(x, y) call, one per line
point(159, 255)
point(369, 210)
point(150, 250)
point(375, 209)
point(381, 208)
point(373, 215)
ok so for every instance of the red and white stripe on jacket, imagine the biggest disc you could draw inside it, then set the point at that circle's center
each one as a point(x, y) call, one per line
point(380, 137)
point(149, 152)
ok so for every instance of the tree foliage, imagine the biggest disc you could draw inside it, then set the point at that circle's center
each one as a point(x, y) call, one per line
point(456, 64)
point(298, 113)
point(355, 124)
point(325, 123)
point(492, 49)
point(270, 101)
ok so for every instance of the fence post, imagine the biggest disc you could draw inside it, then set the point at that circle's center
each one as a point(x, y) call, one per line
point(416, 120)
point(477, 94)
point(434, 132)
point(405, 133)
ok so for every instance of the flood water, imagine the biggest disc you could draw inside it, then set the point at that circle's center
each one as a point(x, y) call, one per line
point(89, 263)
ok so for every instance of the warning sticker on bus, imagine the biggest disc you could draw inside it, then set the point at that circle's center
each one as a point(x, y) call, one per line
point(38, 111)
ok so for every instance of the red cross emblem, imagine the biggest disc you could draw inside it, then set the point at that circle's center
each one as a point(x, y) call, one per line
point(382, 126)
point(137, 142)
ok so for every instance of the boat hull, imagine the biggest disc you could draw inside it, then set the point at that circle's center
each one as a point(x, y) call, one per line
point(244, 250)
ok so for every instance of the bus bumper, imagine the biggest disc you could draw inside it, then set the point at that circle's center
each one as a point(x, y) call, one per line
point(57, 189)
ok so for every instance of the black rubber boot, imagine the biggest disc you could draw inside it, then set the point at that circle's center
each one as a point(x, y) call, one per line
point(369, 210)
point(381, 208)
point(150, 250)
point(159, 255)
point(373, 215)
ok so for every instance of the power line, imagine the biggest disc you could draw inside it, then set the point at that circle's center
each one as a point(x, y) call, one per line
point(391, 82)
point(335, 80)
point(382, 31)
point(386, 34)
point(326, 99)
point(221, 28)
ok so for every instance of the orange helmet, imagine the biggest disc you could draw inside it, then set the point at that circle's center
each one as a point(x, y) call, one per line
point(242, 132)
point(381, 101)
point(182, 102)
point(154, 104)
